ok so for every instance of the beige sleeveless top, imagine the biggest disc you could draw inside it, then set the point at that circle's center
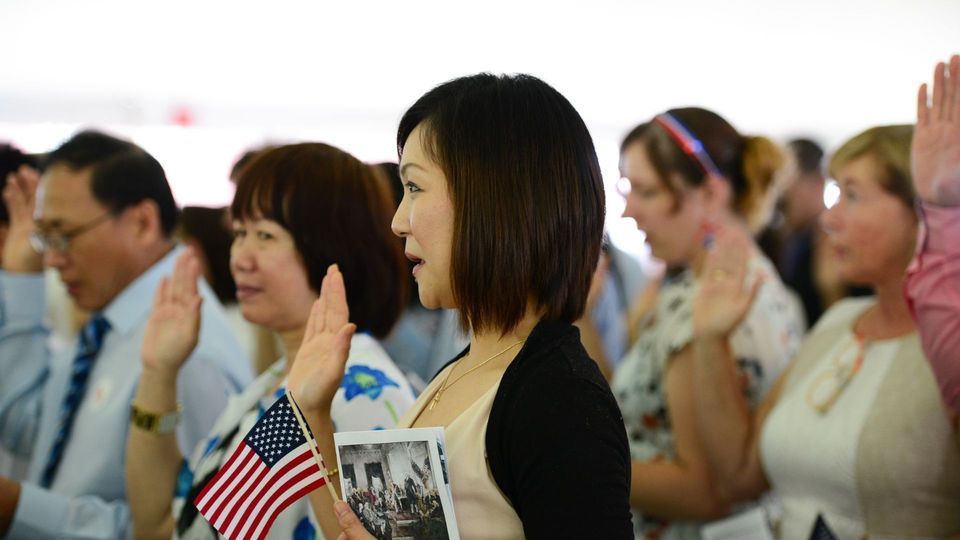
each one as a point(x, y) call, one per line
point(483, 512)
point(884, 461)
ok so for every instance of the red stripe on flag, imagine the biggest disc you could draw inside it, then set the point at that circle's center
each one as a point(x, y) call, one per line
point(224, 477)
point(268, 484)
point(289, 499)
point(282, 499)
point(230, 485)
point(242, 500)
point(273, 483)
point(226, 466)
point(287, 483)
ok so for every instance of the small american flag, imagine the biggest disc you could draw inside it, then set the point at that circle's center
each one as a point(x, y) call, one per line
point(271, 469)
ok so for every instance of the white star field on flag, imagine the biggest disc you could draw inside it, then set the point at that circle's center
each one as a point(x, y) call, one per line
point(276, 434)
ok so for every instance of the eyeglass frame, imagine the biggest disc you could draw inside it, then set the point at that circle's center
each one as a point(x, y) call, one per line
point(60, 241)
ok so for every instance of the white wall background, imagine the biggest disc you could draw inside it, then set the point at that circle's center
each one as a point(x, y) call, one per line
point(344, 72)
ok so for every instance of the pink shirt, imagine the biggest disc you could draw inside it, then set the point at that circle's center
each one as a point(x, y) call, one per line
point(933, 292)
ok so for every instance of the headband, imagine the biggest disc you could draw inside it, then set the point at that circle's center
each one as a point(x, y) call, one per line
point(688, 142)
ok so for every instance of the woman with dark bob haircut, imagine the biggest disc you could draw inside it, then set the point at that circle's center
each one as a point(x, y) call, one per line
point(297, 210)
point(503, 215)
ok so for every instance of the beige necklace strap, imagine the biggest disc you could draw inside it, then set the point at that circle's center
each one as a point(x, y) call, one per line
point(446, 380)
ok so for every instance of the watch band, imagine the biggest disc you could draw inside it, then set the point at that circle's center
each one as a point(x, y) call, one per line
point(161, 423)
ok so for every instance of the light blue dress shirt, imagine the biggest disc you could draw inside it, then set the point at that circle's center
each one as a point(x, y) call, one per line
point(88, 497)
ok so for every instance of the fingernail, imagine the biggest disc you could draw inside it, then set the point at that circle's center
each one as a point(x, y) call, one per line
point(340, 508)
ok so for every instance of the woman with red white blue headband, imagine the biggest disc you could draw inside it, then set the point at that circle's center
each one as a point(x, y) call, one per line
point(686, 174)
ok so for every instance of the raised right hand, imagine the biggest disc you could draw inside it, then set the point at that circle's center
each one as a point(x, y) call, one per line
point(174, 324)
point(318, 369)
point(20, 195)
point(724, 297)
point(935, 152)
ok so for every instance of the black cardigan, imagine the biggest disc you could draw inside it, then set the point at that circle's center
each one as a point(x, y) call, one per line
point(556, 442)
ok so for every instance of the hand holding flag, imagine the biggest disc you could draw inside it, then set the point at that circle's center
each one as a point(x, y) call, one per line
point(278, 462)
point(274, 466)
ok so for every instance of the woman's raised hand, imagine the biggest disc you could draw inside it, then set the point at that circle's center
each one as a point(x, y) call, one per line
point(724, 297)
point(318, 367)
point(935, 156)
point(174, 323)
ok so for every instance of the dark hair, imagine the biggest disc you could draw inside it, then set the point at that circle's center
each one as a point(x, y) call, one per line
point(525, 183)
point(11, 159)
point(808, 154)
point(121, 173)
point(337, 211)
point(389, 173)
point(748, 163)
point(209, 228)
point(245, 160)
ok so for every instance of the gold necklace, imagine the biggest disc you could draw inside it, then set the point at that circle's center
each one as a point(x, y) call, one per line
point(445, 385)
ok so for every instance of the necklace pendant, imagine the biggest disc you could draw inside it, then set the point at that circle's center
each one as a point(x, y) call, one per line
point(434, 401)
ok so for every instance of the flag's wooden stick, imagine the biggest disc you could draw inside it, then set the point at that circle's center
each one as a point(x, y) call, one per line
point(313, 446)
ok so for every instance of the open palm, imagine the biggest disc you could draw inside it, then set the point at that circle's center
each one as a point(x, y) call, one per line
point(935, 155)
point(723, 300)
point(174, 323)
point(318, 367)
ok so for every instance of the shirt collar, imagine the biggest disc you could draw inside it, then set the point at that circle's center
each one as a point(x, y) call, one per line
point(127, 308)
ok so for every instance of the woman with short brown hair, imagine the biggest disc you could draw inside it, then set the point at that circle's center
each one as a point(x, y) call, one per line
point(297, 209)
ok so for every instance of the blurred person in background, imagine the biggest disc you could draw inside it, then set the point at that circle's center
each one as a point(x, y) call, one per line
point(796, 241)
point(298, 208)
point(933, 284)
point(619, 284)
point(104, 219)
point(207, 231)
point(853, 437)
point(802, 237)
point(686, 173)
point(11, 160)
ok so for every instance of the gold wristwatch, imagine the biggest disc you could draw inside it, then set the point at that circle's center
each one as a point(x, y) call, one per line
point(162, 423)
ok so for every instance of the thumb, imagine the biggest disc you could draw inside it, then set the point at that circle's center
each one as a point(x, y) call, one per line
point(751, 297)
point(349, 524)
point(345, 335)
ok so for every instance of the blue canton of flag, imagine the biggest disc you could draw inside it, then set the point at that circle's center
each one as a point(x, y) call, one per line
point(270, 470)
point(276, 434)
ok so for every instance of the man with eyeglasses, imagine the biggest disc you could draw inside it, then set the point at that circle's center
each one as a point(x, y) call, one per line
point(102, 216)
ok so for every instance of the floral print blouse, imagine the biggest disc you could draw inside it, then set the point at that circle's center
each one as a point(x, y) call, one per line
point(373, 395)
point(763, 344)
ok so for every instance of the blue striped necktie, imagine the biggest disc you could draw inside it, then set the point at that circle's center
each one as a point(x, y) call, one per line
point(91, 338)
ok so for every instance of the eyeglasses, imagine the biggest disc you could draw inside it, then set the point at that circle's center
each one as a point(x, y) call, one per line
point(828, 386)
point(60, 241)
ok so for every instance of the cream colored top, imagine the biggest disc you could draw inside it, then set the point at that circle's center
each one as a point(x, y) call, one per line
point(483, 512)
point(883, 461)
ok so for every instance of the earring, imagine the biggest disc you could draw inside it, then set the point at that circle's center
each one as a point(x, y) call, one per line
point(708, 232)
